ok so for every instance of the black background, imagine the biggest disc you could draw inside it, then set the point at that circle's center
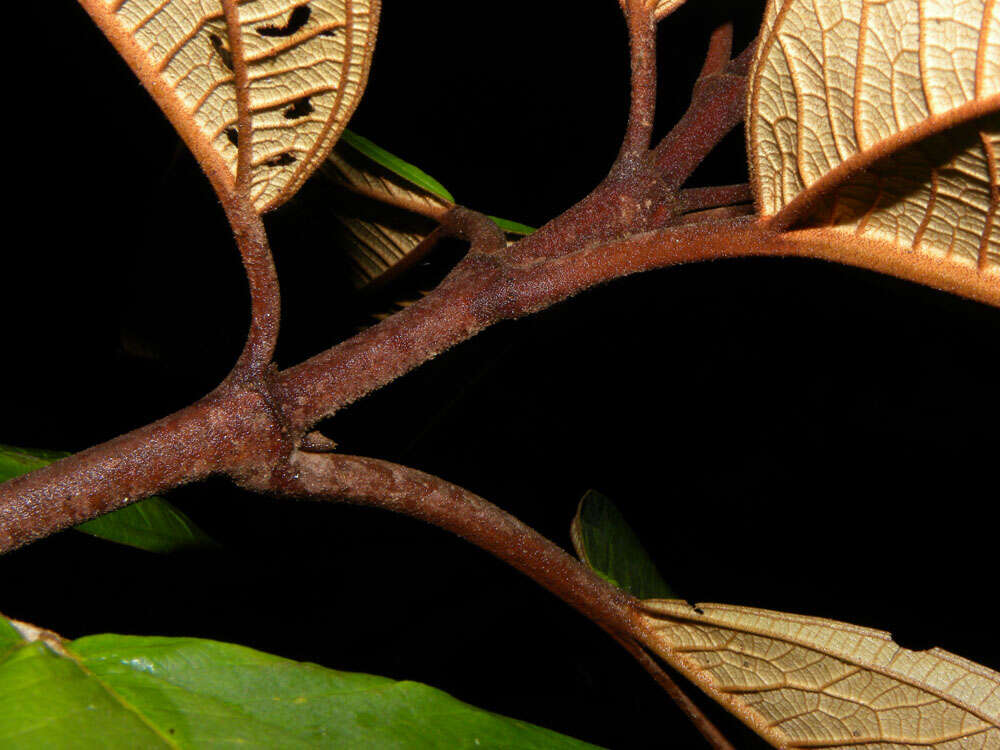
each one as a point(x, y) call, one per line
point(788, 434)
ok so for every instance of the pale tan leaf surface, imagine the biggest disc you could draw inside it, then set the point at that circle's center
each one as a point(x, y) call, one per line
point(809, 682)
point(878, 118)
point(375, 247)
point(307, 65)
point(378, 236)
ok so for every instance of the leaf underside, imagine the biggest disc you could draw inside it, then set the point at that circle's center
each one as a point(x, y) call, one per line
point(809, 682)
point(307, 65)
point(144, 692)
point(880, 120)
point(380, 232)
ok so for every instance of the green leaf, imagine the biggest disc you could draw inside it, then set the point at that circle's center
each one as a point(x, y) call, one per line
point(153, 524)
point(9, 637)
point(126, 691)
point(394, 164)
point(512, 227)
point(607, 544)
point(418, 177)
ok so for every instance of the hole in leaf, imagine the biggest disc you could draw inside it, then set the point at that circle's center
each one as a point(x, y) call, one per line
point(281, 160)
point(298, 18)
point(329, 32)
point(222, 50)
point(234, 136)
point(914, 641)
point(299, 108)
point(695, 607)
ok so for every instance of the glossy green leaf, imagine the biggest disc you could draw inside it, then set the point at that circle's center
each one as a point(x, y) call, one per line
point(607, 544)
point(394, 164)
point(153, 524)
point(512, 227)
point(389, 209)
point(9, 637)
point(126, 691)
point(418, 177)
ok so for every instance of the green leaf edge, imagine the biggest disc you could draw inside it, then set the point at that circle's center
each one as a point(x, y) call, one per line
point(416, 176)
point(99, 657)
point(598, 521)
point(513, 227)
point(404, 169)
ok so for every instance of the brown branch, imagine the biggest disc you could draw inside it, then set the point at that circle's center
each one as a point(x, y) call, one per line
point(698, 199)
point(642, 108)
point(479, 230)
point(641, 194)
point(222, 432)
point(702, 723)
point(380, 484)
point(720, 52)
point(483, 290)
point(236, 430)
point(248, 431)
point(265, 293)
point(716, 214)
point(717, 106)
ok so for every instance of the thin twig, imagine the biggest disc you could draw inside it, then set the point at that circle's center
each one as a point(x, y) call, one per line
point(698, 199)
point(374, 483)
point(642, 44)
point(720, 52)
point(717, 106)
point(478, 229)
point(716, 214)
point(695, 715)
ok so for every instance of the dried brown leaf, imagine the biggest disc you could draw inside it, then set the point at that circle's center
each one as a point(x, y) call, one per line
point(361, 175)
point(809, 682)
point(307, 66)
point(395, 219)
point(376, 247)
